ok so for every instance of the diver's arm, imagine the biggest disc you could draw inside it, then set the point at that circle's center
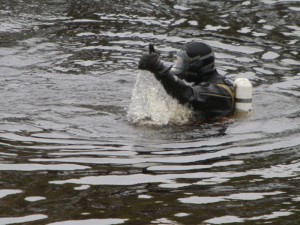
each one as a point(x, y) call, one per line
point(175, 87)
point(210, 99)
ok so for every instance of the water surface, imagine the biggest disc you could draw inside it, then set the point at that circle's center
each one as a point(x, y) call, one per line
point(70, 152)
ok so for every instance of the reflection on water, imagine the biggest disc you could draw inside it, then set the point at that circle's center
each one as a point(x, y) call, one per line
point(77, 149)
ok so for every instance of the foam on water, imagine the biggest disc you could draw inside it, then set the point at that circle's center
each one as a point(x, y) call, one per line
point(150, 104)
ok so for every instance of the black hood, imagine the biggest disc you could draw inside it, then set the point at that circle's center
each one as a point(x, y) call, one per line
point(195, 59)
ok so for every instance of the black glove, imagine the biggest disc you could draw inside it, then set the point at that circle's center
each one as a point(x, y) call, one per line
point(150, 62)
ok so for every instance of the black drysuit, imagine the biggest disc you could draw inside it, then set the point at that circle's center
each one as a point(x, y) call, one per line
point(211, 95)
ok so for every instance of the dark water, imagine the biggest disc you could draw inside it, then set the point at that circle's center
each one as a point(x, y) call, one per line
point(69, 153)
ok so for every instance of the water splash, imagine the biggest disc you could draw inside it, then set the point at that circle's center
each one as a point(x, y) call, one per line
point(151, 105)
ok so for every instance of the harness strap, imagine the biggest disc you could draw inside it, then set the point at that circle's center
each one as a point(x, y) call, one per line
point(229, 90)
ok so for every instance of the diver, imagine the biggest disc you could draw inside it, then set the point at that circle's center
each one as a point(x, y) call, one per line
point(193, 80)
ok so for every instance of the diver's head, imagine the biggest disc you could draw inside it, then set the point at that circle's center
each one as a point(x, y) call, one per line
point(195, 59)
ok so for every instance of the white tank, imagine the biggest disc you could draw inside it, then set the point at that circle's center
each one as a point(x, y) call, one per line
point(243, 95)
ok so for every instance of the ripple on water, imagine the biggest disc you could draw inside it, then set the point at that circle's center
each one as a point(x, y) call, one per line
point(39, 167)
point(34, 198)
point(90, 222)
point(22, 219)
point(6, 192)
point(239, 196)
point(277, 171)
point(235, 219)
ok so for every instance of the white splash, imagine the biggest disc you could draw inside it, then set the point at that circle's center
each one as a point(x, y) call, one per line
point(150, 104)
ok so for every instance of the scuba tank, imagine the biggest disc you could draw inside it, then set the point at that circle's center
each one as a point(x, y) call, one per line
point(243, 95)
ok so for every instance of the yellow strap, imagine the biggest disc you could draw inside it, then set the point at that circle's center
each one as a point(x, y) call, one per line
point(229, 90)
